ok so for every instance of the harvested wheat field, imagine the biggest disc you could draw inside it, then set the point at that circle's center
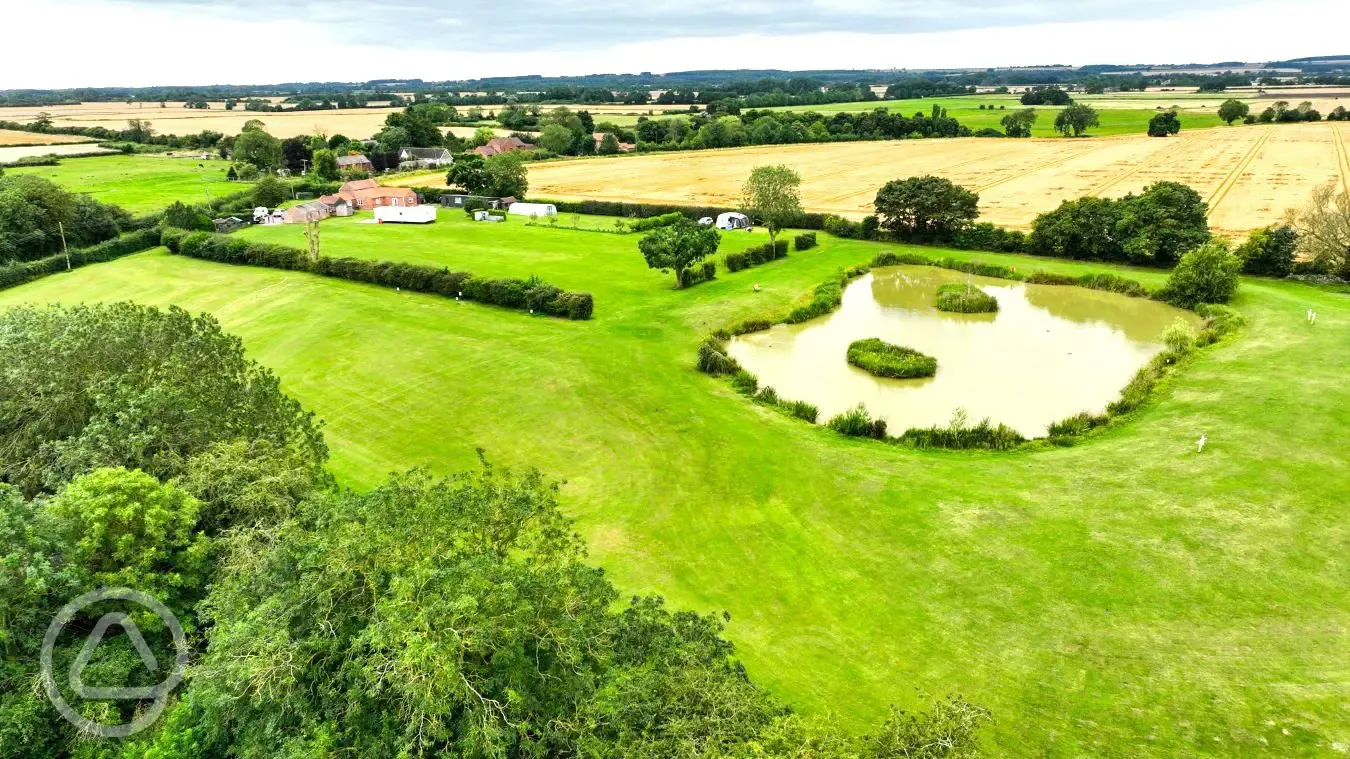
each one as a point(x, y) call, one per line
point(9, 138)
point(175, 119)
point(1249, 175)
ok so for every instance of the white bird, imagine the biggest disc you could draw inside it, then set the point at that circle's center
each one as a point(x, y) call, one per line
point(1200, 444)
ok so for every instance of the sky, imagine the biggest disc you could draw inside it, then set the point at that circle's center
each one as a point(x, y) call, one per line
point(198, 42)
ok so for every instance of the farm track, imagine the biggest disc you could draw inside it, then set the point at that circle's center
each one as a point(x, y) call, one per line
point(1342, 156)
point(1149, 162)
point(1235, 175)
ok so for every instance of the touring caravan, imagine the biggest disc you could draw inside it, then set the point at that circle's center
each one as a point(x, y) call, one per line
point(405, 214)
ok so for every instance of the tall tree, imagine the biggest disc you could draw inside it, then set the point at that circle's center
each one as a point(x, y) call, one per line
point(1164, 124)
point(1019, 122)
point(1233, 110)
point(1076, 119)
point(1324, 230)
point(506, 175)
point(679, 246)
point(772, 194)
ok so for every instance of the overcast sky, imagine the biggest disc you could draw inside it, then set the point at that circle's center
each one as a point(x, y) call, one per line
point(66, 43)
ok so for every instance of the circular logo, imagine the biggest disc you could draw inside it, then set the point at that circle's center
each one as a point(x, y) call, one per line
point(158, 694)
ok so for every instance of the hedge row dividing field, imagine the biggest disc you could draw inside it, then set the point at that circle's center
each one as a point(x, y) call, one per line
point(1123, 597)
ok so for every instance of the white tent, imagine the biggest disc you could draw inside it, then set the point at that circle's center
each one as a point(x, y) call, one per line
point(733, 220)
point(533, 209)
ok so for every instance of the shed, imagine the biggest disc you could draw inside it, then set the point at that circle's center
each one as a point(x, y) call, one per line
point(532, 209)
point(733, 220)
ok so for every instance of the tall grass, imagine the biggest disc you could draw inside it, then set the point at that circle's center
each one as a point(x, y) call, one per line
point(886, 360)
point(965, 299)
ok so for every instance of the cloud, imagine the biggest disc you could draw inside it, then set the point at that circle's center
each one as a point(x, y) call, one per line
point(543, 25)
point(195, 42)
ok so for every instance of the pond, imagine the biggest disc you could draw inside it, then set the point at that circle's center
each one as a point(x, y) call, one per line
point(1048, 353)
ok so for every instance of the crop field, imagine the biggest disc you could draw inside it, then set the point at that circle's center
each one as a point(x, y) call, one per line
point(357, 123)
point(140, 183)
point(1124, 597)
point(12, 138)
point(1250, 175)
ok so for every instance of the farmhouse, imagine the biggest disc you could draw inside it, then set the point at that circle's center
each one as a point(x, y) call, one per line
point(365, 194)
point(424, 158)
point(503, 145)
point(354, 163)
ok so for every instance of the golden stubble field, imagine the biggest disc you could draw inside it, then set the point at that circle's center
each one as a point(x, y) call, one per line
point(1250, 176)
point(173, 118)
point(10, 137)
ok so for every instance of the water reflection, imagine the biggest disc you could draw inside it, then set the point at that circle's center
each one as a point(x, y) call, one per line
point(1048, 353)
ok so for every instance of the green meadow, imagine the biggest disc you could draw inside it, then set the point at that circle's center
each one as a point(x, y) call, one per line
point(968, 111)
point(140, 183)
point(1123, 597)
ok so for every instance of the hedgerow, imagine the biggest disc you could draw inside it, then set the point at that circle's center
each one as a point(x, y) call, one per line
point(757, 255)
point(26, 271)
point(532, 294)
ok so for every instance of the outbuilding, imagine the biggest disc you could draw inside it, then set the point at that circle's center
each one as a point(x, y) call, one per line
point(533, 210)
point(733, 220)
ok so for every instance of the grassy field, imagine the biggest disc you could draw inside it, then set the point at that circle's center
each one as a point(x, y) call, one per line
point(1122, 598)
point(1114, 119)
point(140, 183)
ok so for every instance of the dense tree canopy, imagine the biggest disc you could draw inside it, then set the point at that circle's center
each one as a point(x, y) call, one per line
point(1164, 124)
point(1153, 228)
point(1019, 123)
point(1233, 110)
point(35, 213)
point(1324, 230)
point(131, 386)
point(1269, 252)
point(925, 208)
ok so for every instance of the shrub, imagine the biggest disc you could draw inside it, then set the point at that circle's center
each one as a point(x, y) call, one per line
point(757, 255)
point(891, 258)
point(841, 227)
point(650, 223)
point(1208, 274)
point(170, 237)
point(986, 236)
point(744, 382)
point(1219, 321)
point(960, 435)
point(857, 422)
point(801, 410)
point(1269, 252)
point(965, 299)
point(886, 360)
point(825, 298)
point(1075, 425)
point(1179, 338)
point(713, 358)
point(804, 241)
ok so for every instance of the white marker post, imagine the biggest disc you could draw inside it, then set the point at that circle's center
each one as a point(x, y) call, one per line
point(1200, 444)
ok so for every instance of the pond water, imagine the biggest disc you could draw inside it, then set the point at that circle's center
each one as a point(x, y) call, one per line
point(1049, 353)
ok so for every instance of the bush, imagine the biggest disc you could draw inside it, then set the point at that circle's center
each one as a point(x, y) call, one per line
point(825, 298)
point(804, 241)
point(745, 382)
point(1179, 338)
point(886, 360)
point(532, 294)
point(650, 223)
point(713, 358)
point(1219, 322)
point(1208, 274)
point(960, 435)
point(857, 422)
point(170, 237)
point(1269, 252)
point(986, 236)
point(757, 255)
point(703, 272)
point(801, 410)
point(1078, 424)
point(965, 299)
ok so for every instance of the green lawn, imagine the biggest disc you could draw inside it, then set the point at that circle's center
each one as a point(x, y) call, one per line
point(1125, 597)
point(967, 110)
point(140, 183)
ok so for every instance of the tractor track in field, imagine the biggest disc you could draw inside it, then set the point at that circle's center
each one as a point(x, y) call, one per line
point(941, 170)
point(1230, 181)
point(1150, 162)
point(1342, 156)
point(1059, 161)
